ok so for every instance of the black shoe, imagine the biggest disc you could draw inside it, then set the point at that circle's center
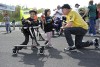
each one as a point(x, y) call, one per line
point(42, 50)
point(15, 51)
point(10, 31)
point(96, 43)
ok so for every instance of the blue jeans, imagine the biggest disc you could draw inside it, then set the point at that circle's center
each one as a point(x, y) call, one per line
point(8, 29)
point(92, 23)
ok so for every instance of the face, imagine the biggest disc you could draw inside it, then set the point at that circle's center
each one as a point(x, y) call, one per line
point(48, 13)
point(32, 14)
point(65, 11)
point(98, 9)
point(58, 7)
point(77, 6)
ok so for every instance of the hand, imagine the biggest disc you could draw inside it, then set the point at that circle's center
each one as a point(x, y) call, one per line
point(63, 24)
point(28, 21)
point(62, 27)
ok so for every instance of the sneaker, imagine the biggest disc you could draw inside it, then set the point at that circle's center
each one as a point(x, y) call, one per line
point(42, 50)
point(70, 48)
point(15, 50)
point(10, 31)
point(96, 43)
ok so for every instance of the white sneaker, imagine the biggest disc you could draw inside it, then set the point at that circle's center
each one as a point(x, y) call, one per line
point(70, 48)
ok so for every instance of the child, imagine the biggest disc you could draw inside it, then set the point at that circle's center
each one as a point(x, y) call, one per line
point(48, 27)
point(29, 22)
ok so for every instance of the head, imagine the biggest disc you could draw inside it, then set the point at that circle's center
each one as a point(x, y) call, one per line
point(47, 12)
point(5, 14)
point(98, 7)
point(66, 9)
point(91, 2)
point(58, 7)
point(32, 13)
point(77, 5)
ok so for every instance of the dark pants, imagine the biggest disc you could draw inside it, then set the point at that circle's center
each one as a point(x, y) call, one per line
point(27, 33)
point(8, 29)
point(79, 34)
point(92, 24)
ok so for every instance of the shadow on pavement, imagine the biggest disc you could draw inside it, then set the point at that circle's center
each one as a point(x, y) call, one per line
point(39, 60)
point(87, 57)
point(54, 53)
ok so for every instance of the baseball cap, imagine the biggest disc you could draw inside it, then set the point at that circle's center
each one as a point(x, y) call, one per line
point(66, 6)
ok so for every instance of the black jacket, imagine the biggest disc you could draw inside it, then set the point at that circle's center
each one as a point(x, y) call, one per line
point(26, 24)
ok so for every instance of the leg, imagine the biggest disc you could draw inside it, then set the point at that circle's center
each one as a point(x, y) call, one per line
point(49, 37)
point(78, 41)
point(9, 28)
point(92, 29)
point(6, 28)
point(26, 34)
point(34, 37)
point(79, 32)
point(79, 44)
point(68, 36)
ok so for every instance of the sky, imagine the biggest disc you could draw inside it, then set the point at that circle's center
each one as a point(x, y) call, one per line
point(51, 4)
point(45, 3)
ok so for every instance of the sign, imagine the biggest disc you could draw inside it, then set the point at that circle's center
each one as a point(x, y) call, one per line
point(6, 7)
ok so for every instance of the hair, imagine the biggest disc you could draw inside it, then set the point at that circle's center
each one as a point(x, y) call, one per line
point(98, 5)
point(77, 4)
point(67, 6)
point(32, 11)
point(46, 11)
point(91, 2)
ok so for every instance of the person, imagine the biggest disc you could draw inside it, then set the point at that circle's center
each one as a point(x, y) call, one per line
point(77, 7)
point(98, 18)
point(83, 13)
point(42, 20)
point(13, 24)
point(48, 26)
point(29, 22)
point(92, 18)
point(58, 17)
point(6, 19)
point(77, 26)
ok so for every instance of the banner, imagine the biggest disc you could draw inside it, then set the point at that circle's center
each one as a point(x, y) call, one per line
point(6, 7)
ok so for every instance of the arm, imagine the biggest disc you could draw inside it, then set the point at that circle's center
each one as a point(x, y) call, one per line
point(69, 24)
point(85, 12)
point(70, 20)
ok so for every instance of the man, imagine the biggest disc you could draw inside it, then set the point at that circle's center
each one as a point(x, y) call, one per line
point(77, 8)
point(58, 17)
point(77, 26)
point(92, 18)
point(6, 19)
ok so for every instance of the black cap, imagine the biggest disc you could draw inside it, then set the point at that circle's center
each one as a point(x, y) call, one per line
point(66, 6)
point(77, 4)
point(33, 11)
